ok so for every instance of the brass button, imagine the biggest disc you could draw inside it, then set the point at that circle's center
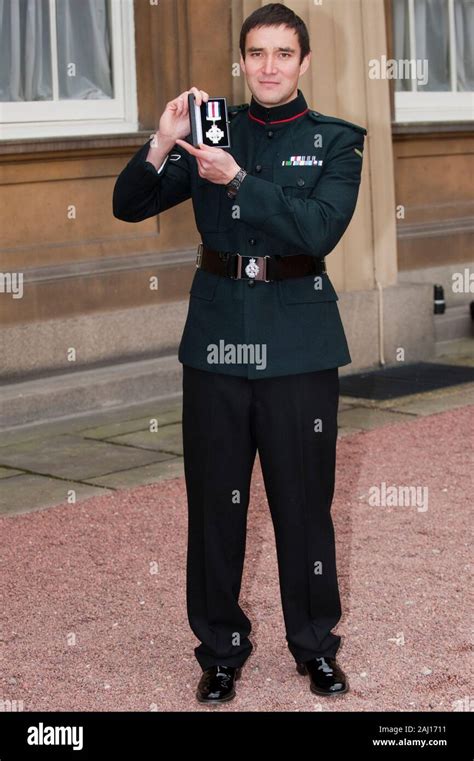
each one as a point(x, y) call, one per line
point(300, 182)
point(258, 168)
point(251, 283)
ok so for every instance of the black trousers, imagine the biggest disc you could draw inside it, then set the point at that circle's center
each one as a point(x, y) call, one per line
point(226, 419)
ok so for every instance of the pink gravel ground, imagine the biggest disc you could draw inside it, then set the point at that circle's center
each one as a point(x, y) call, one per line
point(93, 595)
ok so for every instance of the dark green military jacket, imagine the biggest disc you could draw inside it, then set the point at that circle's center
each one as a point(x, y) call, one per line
point(298, 197)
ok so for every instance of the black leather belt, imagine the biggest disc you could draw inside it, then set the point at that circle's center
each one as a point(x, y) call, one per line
point(266, 268)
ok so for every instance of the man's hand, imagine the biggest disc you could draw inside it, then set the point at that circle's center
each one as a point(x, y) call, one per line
point(174, 121)
point(214, 164)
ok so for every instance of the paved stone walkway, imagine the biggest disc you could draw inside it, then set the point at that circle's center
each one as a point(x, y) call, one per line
point(74, 459)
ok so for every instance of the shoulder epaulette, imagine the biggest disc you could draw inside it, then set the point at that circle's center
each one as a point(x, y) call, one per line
point(317, 117)
point(233, 110)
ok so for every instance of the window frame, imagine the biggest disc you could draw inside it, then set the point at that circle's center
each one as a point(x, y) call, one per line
point(434, 106)
point(36, 119)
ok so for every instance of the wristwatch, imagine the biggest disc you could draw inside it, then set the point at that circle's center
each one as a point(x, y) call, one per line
point(233, 186)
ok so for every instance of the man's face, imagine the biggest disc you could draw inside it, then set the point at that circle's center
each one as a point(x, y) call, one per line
point(272, 64)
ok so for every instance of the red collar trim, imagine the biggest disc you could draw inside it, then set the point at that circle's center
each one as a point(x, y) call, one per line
point(278, 121)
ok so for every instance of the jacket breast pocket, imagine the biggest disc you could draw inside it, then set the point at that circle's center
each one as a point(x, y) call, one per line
point(204, 285)
point(310, 289)
point(298, 181)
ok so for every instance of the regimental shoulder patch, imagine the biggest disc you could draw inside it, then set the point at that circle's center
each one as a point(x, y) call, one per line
point(317, 117)
point(302, 161)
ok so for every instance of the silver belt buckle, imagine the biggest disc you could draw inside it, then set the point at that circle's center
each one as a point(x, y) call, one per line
point(256, 269)
point(199, 255)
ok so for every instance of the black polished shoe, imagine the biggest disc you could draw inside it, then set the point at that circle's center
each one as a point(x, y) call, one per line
point(326, 677)
point(217, 684)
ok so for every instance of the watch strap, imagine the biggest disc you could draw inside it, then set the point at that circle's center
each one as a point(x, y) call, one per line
point(233, 186)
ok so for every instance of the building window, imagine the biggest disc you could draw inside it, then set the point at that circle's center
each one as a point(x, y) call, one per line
point(433, 49)
point(66, 68)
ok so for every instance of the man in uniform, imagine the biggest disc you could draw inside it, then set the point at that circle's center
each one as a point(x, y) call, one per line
point(261, 346)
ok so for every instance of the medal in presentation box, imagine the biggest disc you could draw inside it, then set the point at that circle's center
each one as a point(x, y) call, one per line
point(209, 122)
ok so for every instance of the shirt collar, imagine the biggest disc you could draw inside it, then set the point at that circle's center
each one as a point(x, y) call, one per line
point(278, 115)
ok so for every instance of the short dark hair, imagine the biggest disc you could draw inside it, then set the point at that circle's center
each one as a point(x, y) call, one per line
point(275, 14)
